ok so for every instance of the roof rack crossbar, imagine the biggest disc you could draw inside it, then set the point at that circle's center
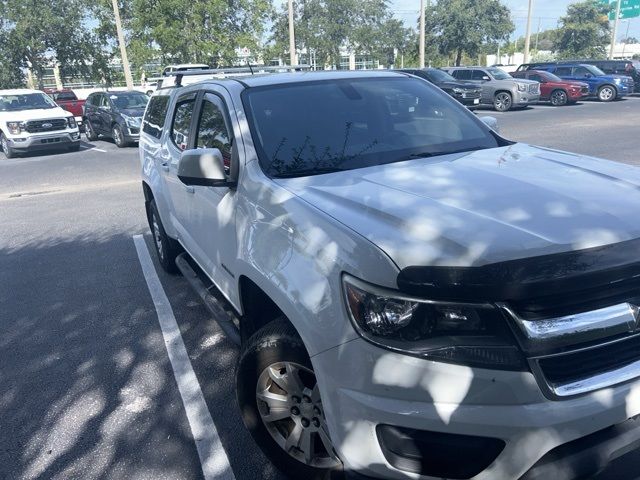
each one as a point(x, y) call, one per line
point(247, 69)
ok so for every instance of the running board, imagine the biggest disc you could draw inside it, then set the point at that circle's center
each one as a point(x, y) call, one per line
point(220, 315)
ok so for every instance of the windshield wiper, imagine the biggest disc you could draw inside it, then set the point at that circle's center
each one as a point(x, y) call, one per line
point(304, 172)
point(444, 152)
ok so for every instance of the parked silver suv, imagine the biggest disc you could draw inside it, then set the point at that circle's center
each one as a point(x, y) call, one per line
point(498, 87)
point(417, 296)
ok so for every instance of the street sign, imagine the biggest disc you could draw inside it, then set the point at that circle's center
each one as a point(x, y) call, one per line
point(628, 9)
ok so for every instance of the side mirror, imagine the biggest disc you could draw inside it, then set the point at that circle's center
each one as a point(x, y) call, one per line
point(588, 75)
point(204, 167)
point(485, 78)
point(491, 122)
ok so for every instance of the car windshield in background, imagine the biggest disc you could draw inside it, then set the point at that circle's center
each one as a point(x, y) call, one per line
point(123, 101)
point(316, 127)
point(440, 76)
point(64, 96)
point(499, 74)
point(594, 70)
point(27, 101)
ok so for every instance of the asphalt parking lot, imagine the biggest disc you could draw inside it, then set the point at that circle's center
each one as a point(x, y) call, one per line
point(87, 390)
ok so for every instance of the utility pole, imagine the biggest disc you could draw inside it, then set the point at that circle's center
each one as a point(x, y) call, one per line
point(624, 45)
point(422, 33)
point(538, 34)
point(527, 38)
point(292, 37)
point(615, 30)
point(123, 48)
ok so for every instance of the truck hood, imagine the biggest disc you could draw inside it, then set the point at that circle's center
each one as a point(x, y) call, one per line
point(39, 114)
point(133, 112)
point(474, 209)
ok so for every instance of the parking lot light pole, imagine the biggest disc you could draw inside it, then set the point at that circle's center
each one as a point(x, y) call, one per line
point(123, 48)
point(527, 38)
point(292, 37)
point(422, 35)
point(614, 33)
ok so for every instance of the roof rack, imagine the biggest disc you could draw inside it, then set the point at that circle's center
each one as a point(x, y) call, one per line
point(178, 76)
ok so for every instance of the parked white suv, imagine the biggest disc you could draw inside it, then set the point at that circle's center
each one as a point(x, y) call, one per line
point(30, 120)
point(418, 297)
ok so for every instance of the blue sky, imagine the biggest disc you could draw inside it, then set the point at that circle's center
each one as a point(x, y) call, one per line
point(547, 12)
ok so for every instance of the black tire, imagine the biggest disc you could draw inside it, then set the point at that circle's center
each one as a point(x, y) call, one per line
point(118, 136)
point(502, 102)
point(278, 343)
point(89, 131)
point(559, 98)
point(4, 147)
point(166, 247)
point(75, 147)
point(607, 93)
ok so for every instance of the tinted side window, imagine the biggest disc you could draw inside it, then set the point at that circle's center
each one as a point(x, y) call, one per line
point(155, 116)
point(477, 74)
point(462, 74)
point(580, 72)
point(181, 123)
point(213, 131)
point(563, 71)
point(536, 77)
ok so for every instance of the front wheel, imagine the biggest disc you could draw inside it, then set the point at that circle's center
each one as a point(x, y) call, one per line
point(4, 145)
point(166, 247)
point(89, 132)
point(502, 102)
point(607, 93)
point(280, 403)
point(118, 136)
point(559, 98)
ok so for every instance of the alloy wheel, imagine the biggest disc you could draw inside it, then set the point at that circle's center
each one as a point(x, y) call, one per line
point(3, 145)
point(558, 98)
point(157, 237)
point(606, 94)
point(116, 136)
point(502, 102)
point(289, 403)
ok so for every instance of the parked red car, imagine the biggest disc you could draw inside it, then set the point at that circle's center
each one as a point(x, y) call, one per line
point(555, 90)
point(68, 100)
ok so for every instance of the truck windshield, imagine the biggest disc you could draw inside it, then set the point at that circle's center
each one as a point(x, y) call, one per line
point(440, 76)
point(135, 100)
point(315, 127)
point(499, 74)
point(26, 101)
point(64, 96)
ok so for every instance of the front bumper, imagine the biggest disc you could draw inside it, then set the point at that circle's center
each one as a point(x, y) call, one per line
point(525, 98)
point(33, 142)
point(382, 387)
point(131, 134)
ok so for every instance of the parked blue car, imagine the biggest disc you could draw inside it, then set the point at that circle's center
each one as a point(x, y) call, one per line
point(605, 87)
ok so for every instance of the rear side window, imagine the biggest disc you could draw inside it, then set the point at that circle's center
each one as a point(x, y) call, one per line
point(181, 124)
point(477, 75)
point(563, 71)
point(155, 116)
point(462, 74)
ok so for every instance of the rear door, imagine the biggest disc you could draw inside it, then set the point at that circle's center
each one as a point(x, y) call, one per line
point(91, 110)
point(479, 77)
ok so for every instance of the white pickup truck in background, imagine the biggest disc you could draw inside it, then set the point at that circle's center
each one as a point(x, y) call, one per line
point(30, 120)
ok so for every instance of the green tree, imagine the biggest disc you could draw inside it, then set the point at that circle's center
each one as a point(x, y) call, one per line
point(584, 31)
point(464, 26)
point(323, 27)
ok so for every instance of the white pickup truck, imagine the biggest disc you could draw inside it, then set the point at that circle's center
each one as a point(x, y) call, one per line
point(30, 120)
point(417, 296)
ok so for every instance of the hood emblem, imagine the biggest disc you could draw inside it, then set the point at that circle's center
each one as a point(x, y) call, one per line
point(47, 125)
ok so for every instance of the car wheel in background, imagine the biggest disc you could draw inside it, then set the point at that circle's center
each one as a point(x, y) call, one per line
point(89, 132)
point(607, 93)
point(559, 98)
point(118, 136)
point(502, 102)
point(166, 247)
point(4, 146)
point(280, 403)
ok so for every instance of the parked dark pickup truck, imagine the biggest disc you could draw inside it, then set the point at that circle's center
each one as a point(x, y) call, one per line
point(68, 100)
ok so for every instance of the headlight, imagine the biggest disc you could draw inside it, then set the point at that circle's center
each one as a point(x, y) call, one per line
point(458, 90)
point(617, 80)
point(133, 122)
point(72, 122)
point(522, 87)
point(469, 334)
point(15, 127)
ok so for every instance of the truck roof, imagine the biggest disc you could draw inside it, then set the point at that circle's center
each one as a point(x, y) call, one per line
point(18, 91)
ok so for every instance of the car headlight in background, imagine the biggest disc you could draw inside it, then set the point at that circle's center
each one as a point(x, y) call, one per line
point(467, 334)
point(522, 87)
point(617, 80)
point(458, 91)
point(15, 127)
point(132, 122)
point(72, 122)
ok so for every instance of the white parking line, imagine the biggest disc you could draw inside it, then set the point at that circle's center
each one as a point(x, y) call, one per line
point(95, 149)
point(213, 458)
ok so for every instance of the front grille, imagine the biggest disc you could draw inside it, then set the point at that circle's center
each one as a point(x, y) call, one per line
point(576, 366)
point(472, 94)
point(40, 126)
point(534, 88)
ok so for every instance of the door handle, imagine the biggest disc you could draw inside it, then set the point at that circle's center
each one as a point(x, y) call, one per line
point(165, 167)
point(189, 189)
